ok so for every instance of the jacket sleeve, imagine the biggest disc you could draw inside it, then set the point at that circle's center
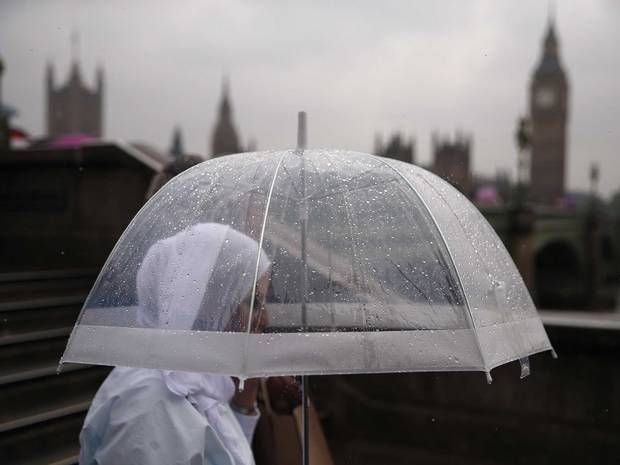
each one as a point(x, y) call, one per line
point(248, 424)
point(165, 434)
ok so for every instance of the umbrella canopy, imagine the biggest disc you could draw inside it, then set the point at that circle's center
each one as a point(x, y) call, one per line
point(307, 262)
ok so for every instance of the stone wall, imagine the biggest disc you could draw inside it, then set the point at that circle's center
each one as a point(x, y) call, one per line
point(66, 208)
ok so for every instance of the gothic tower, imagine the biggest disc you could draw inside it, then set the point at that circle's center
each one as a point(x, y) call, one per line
point(73, 107)
point(396, 147)
point(549, 113)
point(224, 140)
point(451, 160)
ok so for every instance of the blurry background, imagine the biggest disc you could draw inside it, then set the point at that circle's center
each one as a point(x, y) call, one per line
point(515, 103)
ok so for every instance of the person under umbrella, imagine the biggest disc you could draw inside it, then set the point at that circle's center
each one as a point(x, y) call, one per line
point(147, 416)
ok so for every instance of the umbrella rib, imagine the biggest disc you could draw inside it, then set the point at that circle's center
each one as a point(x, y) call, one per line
point(260, 245)
point(445, 242)
point(417, 288)
point(458, 220)
point(292, 185)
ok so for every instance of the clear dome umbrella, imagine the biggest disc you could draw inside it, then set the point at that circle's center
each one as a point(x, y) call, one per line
point(308, 262)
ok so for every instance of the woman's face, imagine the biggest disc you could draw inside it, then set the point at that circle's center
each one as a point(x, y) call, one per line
point(258, 312)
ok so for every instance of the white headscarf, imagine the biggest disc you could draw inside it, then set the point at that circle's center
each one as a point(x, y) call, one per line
point(196, 279)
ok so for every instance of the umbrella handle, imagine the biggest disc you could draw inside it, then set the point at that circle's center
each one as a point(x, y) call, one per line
point(305, 415)
point(525, 367)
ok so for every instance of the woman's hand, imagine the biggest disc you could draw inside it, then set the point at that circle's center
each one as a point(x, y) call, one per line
point(245, 401)
point(284, 393)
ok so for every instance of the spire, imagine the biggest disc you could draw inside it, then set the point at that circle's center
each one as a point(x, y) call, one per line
point(225, 110)
point(49, 75)
point(550, 58)
point(551, 41)
point(75, 51)
point(550, 14)
point(75, 46)
point(225, 139)
point(176, 147)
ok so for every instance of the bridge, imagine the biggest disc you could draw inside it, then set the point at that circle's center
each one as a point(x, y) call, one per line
point(567, 257)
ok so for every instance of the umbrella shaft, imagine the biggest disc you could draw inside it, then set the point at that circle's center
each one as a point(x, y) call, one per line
point(304, 258)
point(305, 421)
point(304, 276)
point(301, 145)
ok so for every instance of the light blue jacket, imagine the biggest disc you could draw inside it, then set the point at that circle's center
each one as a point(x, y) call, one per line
point(135, 419)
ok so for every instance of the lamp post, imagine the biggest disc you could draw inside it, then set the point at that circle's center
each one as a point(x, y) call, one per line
point(594, 177)
point(593, 237)
point(521, 215)
point(4, 117)
point(523, 136)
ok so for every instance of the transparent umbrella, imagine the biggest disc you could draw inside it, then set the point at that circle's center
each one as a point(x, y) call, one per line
point(307, 262)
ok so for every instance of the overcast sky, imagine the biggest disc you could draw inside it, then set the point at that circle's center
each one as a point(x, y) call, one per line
point(357, 67)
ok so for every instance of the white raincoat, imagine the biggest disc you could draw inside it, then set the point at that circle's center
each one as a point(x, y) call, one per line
point(141, 416)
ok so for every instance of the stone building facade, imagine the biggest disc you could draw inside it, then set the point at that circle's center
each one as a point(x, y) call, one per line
point(451, 160)
point(74, 107)
point(396, 148)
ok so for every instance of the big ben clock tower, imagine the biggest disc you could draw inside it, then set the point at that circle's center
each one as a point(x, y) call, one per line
point(549, 114)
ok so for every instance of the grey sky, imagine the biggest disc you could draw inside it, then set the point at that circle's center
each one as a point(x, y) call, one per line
point(357, 67)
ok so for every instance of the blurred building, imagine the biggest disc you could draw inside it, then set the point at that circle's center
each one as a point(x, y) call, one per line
point(7, 132)
point(224, 139)
point(73, 107)
point(451, 160)
point(396, 148)
point(176, 146)
point(548, 102)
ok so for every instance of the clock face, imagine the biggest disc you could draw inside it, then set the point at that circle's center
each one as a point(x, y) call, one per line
point(545, 97)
